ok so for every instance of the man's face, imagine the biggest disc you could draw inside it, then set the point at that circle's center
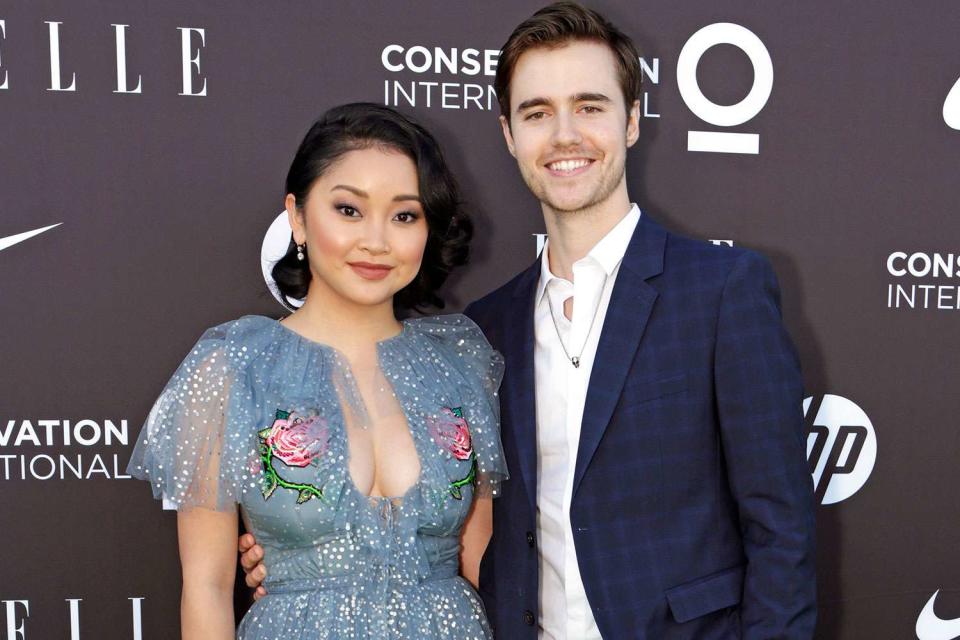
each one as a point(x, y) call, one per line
point(569, 129)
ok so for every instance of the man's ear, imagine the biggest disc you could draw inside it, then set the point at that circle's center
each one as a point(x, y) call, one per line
point(508, 135)
point(295, 219)
point(633, 123)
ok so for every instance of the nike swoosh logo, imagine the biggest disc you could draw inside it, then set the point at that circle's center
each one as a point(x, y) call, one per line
point(9, 241)
point(951, 107)
point(930, 627)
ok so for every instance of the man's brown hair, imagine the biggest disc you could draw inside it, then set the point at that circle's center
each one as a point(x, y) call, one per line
point(557, 25)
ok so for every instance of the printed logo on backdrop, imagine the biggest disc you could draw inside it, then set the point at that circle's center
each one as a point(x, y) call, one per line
point(931, 627)
point(841, 446)
point(724, 115)
point(923, 280)
point(63, 78)
point(60, 449)
point(274, 246)
point(8, 241)
point(18, 612)
point(951, 107)
point(431, 77)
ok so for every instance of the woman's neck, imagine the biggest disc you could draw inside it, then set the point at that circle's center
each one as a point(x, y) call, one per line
point(327, 318)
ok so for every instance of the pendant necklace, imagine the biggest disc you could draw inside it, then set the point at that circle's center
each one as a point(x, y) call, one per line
point(574, 360)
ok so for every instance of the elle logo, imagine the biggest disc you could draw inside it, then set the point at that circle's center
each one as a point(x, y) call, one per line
point(192, 41)
point(720, 115)
point(18, 611)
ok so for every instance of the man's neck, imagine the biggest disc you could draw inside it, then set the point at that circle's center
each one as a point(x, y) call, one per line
point(573, 234)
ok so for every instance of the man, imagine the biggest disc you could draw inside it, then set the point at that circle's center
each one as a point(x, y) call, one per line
point(651, 406)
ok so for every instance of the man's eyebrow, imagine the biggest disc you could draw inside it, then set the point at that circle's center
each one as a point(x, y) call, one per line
point(591, 97)
point(403, 197)
point(532, 102)
point(587, 96)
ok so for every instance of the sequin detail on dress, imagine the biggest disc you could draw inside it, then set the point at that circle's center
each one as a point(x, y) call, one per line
point(254, 398)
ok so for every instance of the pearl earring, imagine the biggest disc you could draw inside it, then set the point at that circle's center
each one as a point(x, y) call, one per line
point(300, 249)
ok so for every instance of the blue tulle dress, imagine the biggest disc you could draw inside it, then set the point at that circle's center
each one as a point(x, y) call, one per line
point(259, 416)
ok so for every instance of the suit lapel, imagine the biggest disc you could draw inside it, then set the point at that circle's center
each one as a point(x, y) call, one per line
point(631, 303)
point(518, 396)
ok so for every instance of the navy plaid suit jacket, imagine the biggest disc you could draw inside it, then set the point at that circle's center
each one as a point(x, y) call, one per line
point(692, 510)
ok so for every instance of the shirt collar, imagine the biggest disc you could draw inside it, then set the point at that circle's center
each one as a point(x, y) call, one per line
point(607, 253)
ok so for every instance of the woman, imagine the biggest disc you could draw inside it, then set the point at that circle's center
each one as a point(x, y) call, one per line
point(360, 449)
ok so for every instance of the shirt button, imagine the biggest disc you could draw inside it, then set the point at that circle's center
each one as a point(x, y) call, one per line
point(528, 617)
point(532, 541)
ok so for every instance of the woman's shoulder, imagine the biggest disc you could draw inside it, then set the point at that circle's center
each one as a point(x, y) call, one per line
point(239, 341)
point(462, 340)
point(248, 327)
point(452, 329)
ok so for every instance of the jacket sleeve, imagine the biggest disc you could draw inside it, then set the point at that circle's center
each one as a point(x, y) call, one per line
point(759, 394)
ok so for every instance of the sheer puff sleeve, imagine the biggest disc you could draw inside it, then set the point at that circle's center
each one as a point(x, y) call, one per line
point(482, 368)
point(189, 448)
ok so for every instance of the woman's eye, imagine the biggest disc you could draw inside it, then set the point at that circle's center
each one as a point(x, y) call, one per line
point(406, 216)
point(348, 211)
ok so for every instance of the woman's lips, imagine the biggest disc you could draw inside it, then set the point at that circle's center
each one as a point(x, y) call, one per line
point(370, 271)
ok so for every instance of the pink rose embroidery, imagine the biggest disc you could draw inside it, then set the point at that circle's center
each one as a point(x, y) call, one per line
point(451, 432)
point(297, 441)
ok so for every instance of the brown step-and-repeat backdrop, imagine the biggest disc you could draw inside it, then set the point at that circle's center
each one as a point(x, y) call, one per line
point(143, 147)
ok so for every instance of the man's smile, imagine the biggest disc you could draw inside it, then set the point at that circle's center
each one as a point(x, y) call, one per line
point(569, 167)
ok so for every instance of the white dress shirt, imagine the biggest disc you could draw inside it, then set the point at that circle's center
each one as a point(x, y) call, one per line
point(561, 391)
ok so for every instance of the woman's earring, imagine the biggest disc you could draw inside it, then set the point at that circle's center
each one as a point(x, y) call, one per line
point(300, 249)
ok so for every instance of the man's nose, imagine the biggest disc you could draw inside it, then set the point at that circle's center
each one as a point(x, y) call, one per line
point(565, 131)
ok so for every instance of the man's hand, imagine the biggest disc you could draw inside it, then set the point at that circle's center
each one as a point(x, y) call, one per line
point(251, 559)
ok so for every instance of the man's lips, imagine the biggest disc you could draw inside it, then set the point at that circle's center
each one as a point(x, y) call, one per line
point(568, 166)
point(370, 270)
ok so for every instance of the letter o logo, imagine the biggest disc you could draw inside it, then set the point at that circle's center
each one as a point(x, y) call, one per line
point(746, 41)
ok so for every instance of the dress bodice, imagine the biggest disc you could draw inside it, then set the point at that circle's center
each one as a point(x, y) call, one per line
point(256, 416)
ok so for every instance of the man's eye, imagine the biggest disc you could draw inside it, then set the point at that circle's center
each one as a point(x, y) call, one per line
point(536, 115)
point(348, 211)
point(591, 109)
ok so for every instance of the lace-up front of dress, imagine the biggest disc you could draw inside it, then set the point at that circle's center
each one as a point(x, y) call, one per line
point(260, 416)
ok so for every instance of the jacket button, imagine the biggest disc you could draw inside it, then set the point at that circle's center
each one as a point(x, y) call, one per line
point(531, 540)
point(529, 618)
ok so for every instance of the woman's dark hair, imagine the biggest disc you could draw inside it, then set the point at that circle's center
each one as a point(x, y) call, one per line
point(363, 125)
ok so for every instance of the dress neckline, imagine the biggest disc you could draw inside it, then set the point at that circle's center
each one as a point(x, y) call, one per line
point(405, 330)
point(375, 502)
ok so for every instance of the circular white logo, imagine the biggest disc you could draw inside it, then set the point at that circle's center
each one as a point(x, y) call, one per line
point(274, 247)
point(951, 107)
point(841, 446)
point(699, 104)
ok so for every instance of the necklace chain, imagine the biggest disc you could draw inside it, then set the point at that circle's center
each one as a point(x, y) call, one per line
point(574, 360)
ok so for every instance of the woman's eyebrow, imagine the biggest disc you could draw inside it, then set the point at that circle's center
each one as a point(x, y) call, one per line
point(357, 192)
point(403, 197)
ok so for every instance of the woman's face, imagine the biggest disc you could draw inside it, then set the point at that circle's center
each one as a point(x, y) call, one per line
point(363, 225)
